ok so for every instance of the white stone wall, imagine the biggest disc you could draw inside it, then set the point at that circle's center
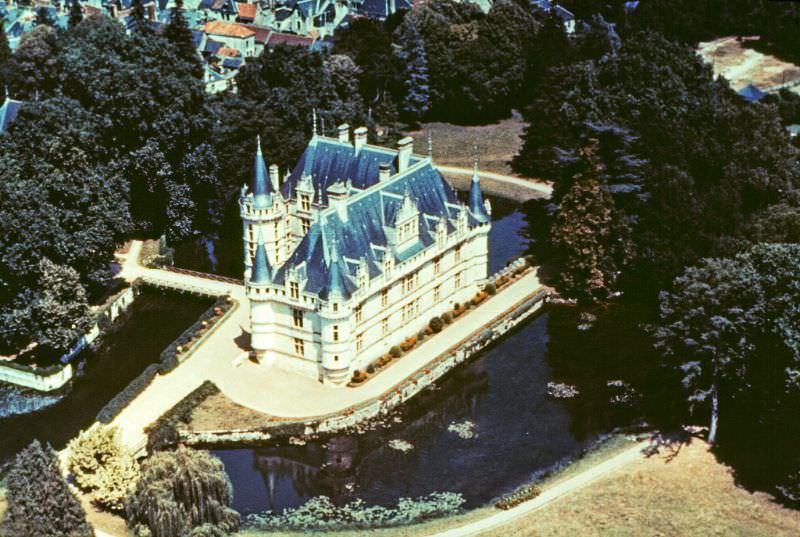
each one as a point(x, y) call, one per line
point(33, 380)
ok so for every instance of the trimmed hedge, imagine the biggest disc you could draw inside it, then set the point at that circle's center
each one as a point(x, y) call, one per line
point(164, 432)
point(436, 324)
point(396, 352)
point(128, 394)
point(168, 361)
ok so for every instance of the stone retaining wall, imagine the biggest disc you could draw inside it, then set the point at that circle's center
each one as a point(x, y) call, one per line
point(370, 409)
point(52, 378)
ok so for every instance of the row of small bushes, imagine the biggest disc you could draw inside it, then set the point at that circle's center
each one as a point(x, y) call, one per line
point(164, 432)
point(522, 494)
point(170, 356)
point(435, 325)
point(169, 360)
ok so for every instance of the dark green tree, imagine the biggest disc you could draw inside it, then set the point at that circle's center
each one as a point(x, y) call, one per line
point(178, 33)
point(75, 14)
point(140, 23)
point(33, 70)
point(416, 101)
point(40, 503)
point(181, 491)
point(589, 238)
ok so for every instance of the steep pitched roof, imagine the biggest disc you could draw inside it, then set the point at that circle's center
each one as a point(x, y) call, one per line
point(261, 186)
point(262, 271)
point(325, 258)
point(476, 207)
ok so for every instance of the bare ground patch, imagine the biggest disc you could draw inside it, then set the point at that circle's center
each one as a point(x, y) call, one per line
point(742, 66)
point(454, 145)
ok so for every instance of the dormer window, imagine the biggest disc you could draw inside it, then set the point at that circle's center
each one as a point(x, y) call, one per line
point(407, 230)
point(387, 264)
point(305, 202)
point(294, 290)
point(441, 232)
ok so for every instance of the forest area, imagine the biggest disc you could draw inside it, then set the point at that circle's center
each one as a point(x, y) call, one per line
point(671, 192)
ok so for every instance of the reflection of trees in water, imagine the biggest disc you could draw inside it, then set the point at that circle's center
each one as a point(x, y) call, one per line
point(331, 467)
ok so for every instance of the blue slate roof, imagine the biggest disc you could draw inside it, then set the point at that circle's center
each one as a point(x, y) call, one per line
point(329, 161)
point(232, 63)
point(380, 9)
point(327, 258)
point(8, 113)
point(262, 272)
point(751, 93)
point(476, 207)
point(261, 186)
point(212, 47)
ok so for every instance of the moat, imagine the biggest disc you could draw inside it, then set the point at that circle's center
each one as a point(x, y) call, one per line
point(484, 429)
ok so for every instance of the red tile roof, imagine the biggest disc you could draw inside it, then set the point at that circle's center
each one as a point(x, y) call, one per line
point(262, 32)
point(278, 38)
point(247, 11)
point(229, 52)
point(227, 29)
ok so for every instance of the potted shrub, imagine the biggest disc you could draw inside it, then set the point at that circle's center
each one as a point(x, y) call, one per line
point(421, 335)
point(490, 289)
point(396, 352)
point(447, 317)
point(436, 324)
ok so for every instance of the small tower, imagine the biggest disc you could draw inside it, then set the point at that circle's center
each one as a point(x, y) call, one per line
point(261, 314)
point(477, 207)
point(263, 212)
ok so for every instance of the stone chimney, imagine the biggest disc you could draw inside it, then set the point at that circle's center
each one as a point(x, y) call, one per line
point(384, 171)
point(405, 146)
point(359, 138)
point(273, 176)
point(344, 133)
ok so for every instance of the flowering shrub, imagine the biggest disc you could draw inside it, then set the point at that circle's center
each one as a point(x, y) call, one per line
point(523, 494)
point(320, 513)
point(408, 344)
point(396, 352)
point(358, 377)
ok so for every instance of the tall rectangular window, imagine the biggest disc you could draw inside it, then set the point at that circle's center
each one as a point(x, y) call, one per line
point(275, 229)
point(336, 332)
point(458, 280)
point(359, 342)
point(385, 326)
point(305, 203)
point(298, 317)
point(437, 265)
point(294, 290)
point(304, 225)
point(458, 253)
point(299, 347)
point(384, 298)
point(359, 314)
point(437, 294)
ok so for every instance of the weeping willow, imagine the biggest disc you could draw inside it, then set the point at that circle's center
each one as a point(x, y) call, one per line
point(182, 493)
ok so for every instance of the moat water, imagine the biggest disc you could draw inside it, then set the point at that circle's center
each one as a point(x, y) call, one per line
point(154, 320)
point(511, 430)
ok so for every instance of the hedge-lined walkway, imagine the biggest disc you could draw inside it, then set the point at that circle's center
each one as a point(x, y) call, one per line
point(271, 390)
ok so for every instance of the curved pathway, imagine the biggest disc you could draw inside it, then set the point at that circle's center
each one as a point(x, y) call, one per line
point(537, 187)
point(291, 396)
point(494, 523)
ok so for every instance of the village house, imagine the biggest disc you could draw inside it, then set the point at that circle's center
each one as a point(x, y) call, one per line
point(232, 36)
point(353, 252)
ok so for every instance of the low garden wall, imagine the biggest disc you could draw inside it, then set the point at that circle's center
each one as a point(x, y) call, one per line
point(381, 405)
point(51, 378)
point(175, 353)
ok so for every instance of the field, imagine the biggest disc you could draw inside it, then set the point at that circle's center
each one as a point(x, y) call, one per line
point(680, 492)
point(454, 145)
point(742, 66)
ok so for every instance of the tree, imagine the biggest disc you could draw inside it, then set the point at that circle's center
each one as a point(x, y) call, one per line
point(34, 68)
point(75, 14)
point(102, 467)
point(589, 238)
point(140, 23)
point(412, 53)
point(40, 503)
point(178, 33)
point(181, 491)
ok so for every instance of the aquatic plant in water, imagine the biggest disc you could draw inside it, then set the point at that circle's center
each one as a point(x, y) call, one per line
point(465, 429)
point(401, 445)
point(320, 513)
point(560, 390)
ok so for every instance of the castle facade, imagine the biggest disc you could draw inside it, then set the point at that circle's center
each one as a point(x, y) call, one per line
point(354, 251)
